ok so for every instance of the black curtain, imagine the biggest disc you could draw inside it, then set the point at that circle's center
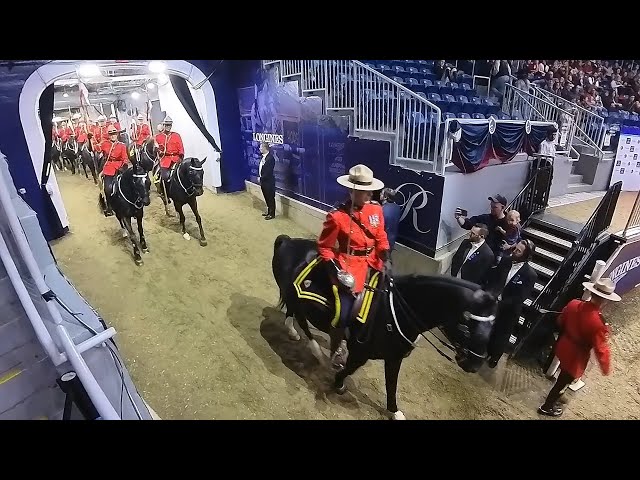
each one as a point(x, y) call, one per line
point(186, 99)
point(45, 106)
point(507, 141)
point(472, 152)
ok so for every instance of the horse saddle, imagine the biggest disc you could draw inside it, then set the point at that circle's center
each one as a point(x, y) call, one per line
point(312, 283)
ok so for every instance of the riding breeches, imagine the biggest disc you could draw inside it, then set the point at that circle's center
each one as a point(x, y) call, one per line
point(165, 174)
point(108, 188)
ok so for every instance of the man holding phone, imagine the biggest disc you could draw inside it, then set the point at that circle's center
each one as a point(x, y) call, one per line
point(496, 218)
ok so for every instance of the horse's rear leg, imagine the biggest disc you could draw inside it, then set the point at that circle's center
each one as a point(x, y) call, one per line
point(178, 208)
point(193, 203)
point(143, 241)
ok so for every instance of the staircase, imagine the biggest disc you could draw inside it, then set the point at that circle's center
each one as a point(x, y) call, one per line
point(565, 252)
point(378, 107)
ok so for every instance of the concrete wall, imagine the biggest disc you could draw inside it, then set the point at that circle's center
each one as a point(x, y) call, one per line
point(470, 191)
point(561, 171)
point(405, 260)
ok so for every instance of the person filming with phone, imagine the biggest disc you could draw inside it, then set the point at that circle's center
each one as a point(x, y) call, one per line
point(496, 221)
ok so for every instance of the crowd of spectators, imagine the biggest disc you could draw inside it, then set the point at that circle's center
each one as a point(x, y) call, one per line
point(612, 84)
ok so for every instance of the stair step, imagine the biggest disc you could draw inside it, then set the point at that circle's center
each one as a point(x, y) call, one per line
point(15, 334)
point(554, 257)
point(538, 287)
point(575, 179)
point(22, 357)
point(547, 272)
point(539, 234)
point(520, 322)
point(527, 302)
point(579, 187)
point(45, 403)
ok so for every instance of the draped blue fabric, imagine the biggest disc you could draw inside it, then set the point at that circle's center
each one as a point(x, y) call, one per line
point(472, 152)
point(477, 146)
point(507, 141)
point(535, 138)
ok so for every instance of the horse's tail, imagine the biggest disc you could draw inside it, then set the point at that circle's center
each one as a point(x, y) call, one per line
point(277, 267)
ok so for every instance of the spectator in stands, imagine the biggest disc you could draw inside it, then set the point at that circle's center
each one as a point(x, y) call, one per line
point(512, 281)
point(510, 236)
point(443, 71)
point(522, 82)
point(496, 218)
point(500, 76)
point(473, 259)
point(548, 145)
point(582, 329)
point(392, 213)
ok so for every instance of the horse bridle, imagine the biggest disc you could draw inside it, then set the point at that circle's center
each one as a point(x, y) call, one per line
point(191, 188)
point(413, 318)
point(138, 203)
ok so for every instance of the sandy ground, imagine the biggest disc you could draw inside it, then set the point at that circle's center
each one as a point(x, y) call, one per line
point(202, 340)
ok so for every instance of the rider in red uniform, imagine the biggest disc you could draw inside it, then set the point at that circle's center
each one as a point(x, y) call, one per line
point(141, 131)
point(113, 120)
point(362, 245)
point(115, 154)
point(170, 149)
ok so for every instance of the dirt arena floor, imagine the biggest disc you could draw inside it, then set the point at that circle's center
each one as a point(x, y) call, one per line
point(201, 337)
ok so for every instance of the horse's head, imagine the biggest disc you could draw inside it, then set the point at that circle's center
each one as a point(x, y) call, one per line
point(141, 185)
point(463, 310)
point(195, 174)
point(471, 334)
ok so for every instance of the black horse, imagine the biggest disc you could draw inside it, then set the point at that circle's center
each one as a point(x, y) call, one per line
point(407, 306)
point(129, 197)
point(146, 154)
point(185, 186)
point(71, 153)
point(56, 154)
point(88, 159)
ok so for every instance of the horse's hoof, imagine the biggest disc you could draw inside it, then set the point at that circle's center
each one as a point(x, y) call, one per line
point(125, 234)
point(398, 416)
point(294, 336)
point(145, 250)
point(186, 236)
point(341, 390)
point(203, 243)
point(139, 262)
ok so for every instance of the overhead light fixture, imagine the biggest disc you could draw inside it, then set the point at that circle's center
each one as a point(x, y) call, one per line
point(89, 70)
point(135, 95)
point(157, 66)
point(163, 78)
point(151, 86)
point(65, 95)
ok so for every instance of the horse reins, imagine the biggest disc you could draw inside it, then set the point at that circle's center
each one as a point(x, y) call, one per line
point(139, 199)
point(180, 180)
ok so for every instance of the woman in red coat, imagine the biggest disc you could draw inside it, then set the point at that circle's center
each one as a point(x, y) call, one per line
point(357, 226)
point(582, 329)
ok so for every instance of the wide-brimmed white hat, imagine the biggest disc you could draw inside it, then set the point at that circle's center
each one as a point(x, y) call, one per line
point(604, 288)
point(360, 177)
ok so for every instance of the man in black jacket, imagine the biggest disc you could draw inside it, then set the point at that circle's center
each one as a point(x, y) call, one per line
point(473, 259)
point(513, 279)
point(492, 220)
point(267, 180)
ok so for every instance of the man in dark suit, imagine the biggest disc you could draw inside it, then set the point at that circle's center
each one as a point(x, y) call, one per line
point(513, 279)
point(267, 180)
point(473, 259)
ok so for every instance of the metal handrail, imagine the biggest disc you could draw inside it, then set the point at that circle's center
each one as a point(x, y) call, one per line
point(378, 103)
point(588, 125)
point(634, 217)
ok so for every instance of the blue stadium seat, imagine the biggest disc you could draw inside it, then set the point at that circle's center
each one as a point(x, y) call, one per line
point(429, 63)
point(412, 82)
point(477, 116)
point(462, 99)
point(433, 97)
point(398, 68)
point(398, 79)
point(464, 115)
point(418, 88)
point(503, 116)
point(447, 115)
point(426, 83)
point(422, 94)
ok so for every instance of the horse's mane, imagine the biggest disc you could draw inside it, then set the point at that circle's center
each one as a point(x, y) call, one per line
point(435, 280)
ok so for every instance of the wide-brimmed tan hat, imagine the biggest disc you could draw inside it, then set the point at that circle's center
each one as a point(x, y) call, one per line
point(360, 178)
point(604, 288)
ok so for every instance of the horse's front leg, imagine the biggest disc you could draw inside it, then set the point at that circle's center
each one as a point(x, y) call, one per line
point(134, 240)
point(143, 241)
point(391, 372)
point(193, 203)
point(354, 362)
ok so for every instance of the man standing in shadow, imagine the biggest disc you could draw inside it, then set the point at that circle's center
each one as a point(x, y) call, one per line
point(267, 180)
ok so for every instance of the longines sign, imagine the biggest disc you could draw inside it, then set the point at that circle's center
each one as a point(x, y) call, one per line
point(268, 137)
